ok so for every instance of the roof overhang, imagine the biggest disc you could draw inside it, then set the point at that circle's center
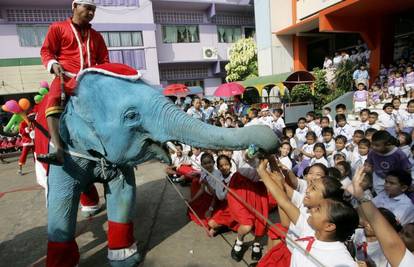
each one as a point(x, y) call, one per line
point(305, 25)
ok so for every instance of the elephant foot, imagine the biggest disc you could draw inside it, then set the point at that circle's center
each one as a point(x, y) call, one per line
point(131, 261)
point(90, 211)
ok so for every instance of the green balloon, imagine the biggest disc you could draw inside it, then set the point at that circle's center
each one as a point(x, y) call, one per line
point(13, 124)
point(43, 91)
point(38, 99)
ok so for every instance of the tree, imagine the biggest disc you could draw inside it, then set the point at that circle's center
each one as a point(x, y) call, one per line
point(243, 61)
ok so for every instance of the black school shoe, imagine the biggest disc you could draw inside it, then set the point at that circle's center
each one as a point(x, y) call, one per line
point(256, 256)
point(236, 255)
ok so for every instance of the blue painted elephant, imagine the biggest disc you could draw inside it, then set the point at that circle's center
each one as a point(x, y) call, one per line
point(110, 125)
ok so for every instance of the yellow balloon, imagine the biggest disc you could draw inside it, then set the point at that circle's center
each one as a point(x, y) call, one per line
point(24, 104)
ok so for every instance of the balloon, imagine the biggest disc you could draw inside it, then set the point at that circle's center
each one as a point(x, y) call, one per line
point(13, 124)
point(4, 107)
point(12, 106)
point(43, 91)
point(44, 84)
point(38, 99)
point(24, 103)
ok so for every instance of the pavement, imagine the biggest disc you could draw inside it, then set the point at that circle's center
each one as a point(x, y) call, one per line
point(162, 228)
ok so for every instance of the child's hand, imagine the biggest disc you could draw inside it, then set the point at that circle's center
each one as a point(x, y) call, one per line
point(262, 165)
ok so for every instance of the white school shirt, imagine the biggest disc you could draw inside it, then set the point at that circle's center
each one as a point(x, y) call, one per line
point(406, 150)
point(398, 114)
point(286, 161)
point(343, 151)
point(347, 131)
point(407, 119)
point(255, 121)
point(387, 120)
point(308, 149)
point(300, 135)
point(278, 125)
point(375, 126)
point(321, 160)
point(357, 161)
point(294, 230)
point(330, 146)
point(302, 186)
point(363, 126)
point(178, 161)
point(292, 142)
point(330, 254)
point(267, 121)
point(401, 206)
point(219, 189)
point(330, 118)
point(407, 260)
point(412, 167)
point(247, 168)
point(196, 159)
point(373, 249)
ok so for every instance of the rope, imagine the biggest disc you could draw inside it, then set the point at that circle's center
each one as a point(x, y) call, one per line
point(252, 209)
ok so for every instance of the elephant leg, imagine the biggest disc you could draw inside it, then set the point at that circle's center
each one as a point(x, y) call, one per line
point(120, 201)
point(63, 200)
point(89, 201)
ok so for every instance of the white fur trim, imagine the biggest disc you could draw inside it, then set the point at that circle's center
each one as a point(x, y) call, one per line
point(109, 73)
point(50, 63)
point(122, 254)
point(41, 174)
point(90, 208)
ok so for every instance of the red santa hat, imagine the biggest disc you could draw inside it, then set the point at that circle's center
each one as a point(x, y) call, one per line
point(113, 69)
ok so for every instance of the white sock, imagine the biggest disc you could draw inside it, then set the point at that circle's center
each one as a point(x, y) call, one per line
point(238, 245)
point(256, 247)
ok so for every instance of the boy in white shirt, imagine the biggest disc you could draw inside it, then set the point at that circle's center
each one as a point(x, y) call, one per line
point(312, 124)
point(340, 142)
point(359, 158)
point(372, 121)
point(300, 133)
point(394, 198)
point(326, 112)
point(407, 117)
point(387, 120)
point(343, 128)
point(328, 141)
point(363, 118)
point(278, 124)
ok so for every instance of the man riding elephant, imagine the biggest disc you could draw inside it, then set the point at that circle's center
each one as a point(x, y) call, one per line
point(113, 122)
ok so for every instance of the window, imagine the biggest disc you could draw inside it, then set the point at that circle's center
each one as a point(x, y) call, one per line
point(189, 82)
point(180, 34)
point(132, 57)
point(123, 39)
point(31, 35)
point(228, 34)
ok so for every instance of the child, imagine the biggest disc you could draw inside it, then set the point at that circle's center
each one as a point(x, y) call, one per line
point(407, 117)
point(366, 244)
point(343, 128)
point(356, 137)
point(327, 113)
point(328, 141)
point(383, 158)
point(409, 82)
point(312, 124)
point(307, 151)
point(372, 121)
point(340, 142)
point(359, 158)
point(369, 133)
point(363, 118)
point(325, 122)
point(178, 160)
point(345, 169)
point(278, 124)
point(340, 109)
point(288, 132)
point(396, 103)
point(387, 120)
point(360, 98)
point(374, 95)
point(390, 84)
point(399, 85)
point(284, 155)
point(394, 198)
point(405, 141)
point(301, 132)
point(319, 153)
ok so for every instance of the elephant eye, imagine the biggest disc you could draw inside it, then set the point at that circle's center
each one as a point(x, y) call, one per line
point(131, 116)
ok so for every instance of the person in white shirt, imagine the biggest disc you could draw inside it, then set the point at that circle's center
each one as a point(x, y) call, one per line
point(319, 153)
point(254, 118)
point(284, 155)
point(345, 169)
point(358, 159)
point(340, 142)
point(394, 198)
point(313, 124)
point(327, 113)
point(195, 111)
point(372, 121)
point(388, 120)
point(300, 133)
point(407, 117)
point(391, 243)
point(363, 118)
point(405, 141)
point(327, 63)
point(266, 118)
point(337, 60)
point(223, 107)
point(278, 123)
point(328, 141)
point(343, 128)
point(288, 133)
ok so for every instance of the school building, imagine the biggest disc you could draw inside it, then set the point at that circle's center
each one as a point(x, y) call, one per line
point(180, 41)
point(297, 34)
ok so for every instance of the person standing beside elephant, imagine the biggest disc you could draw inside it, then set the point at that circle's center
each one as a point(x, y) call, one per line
point(69, 47)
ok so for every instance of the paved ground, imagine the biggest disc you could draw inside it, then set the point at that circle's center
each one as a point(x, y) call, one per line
point(161, 227)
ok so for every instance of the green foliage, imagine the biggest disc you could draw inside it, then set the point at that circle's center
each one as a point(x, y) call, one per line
point(243, 61)
point(301, 93)
point(343, 75)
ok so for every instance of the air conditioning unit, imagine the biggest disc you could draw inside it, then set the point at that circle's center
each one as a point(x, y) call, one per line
point(209, 53)
point(228, 53)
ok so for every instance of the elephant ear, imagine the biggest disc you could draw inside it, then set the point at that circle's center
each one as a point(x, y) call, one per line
point(78, 133)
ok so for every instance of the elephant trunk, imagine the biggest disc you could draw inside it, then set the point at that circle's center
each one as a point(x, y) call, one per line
point(168, 122)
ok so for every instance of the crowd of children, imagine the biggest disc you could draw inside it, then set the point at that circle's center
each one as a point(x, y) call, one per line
point(318, 182)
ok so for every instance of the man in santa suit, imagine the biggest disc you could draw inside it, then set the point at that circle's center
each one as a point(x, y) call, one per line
point(69, 47)
point(27, 134)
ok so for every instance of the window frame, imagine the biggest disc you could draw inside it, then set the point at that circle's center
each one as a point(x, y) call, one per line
point(163, 33)
point(232, 27)
point(106, 34)
point(32, 27)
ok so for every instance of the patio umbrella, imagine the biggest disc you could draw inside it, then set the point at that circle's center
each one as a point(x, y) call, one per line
point(229, 89)
point(176, 89)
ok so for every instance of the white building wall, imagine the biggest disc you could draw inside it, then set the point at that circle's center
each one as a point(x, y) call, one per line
point(210, 85)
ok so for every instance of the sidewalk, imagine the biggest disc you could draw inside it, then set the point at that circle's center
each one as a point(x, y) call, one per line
point(161, 226)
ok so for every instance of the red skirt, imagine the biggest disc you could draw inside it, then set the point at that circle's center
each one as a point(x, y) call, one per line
point(222, 216)
point(188, 172)
point(200, 207)
point(278, 256)
point(255, 194)
point(280, 233)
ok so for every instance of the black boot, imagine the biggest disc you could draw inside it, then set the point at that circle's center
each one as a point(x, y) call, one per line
point(256, 255)
point(237, 255)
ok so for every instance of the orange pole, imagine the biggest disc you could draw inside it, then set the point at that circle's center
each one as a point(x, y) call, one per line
point(300, 53)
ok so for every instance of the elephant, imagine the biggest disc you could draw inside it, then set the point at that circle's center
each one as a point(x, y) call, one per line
point(108, 126)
